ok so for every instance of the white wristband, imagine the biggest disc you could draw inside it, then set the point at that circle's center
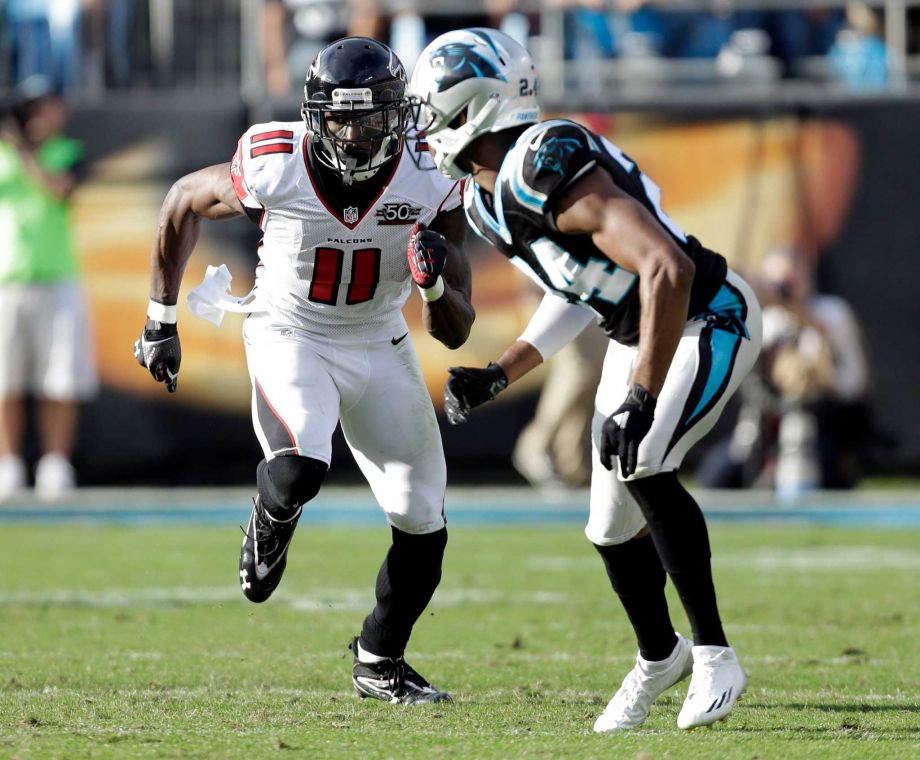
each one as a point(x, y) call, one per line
point(161, 312)
point(434, 292)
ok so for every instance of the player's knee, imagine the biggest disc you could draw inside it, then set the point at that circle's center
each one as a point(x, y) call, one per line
point(675, 518)
point(655, 488)
point(287, 481)
point(614, 517)
point(613, 533)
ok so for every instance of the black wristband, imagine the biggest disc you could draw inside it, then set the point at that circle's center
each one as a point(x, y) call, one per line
point(645, 399)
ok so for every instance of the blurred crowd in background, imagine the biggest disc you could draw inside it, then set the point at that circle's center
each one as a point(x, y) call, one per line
point(94, 44)
point(803, 419)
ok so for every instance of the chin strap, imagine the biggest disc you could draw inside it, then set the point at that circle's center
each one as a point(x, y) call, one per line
point(485, 113)
point(347, 165)
point(471, 128)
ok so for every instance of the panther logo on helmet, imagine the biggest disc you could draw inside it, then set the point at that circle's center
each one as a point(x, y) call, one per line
point(469, 82)
point(459, 61)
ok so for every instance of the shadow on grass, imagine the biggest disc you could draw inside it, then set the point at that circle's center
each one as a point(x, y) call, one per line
point(840, 707)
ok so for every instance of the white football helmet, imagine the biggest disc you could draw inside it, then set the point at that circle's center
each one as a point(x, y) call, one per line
point(480, 74)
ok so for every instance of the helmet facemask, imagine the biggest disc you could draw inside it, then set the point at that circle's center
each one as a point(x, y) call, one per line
point(354, 132)
point(448, 134)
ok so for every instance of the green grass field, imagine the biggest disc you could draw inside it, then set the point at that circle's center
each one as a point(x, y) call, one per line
point(136, 642)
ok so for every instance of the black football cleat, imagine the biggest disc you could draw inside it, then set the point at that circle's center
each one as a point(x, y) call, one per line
point(263, 555)
point(392, 680)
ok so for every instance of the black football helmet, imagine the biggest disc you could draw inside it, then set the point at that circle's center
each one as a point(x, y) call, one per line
point(355, 105)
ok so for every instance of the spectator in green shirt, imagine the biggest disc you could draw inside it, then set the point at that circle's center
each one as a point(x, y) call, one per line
point(45, 338)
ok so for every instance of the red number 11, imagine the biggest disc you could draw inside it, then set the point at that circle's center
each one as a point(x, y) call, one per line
point(327, 275)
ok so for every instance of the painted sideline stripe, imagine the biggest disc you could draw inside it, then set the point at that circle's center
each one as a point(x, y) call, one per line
point(473, 506)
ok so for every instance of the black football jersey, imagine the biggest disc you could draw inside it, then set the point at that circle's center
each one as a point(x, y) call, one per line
point(519, 220)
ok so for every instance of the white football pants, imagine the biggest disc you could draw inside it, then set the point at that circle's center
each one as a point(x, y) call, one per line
point(305, 383)
point(717, 350)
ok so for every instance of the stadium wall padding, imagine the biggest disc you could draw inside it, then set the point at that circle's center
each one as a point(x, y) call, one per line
point(751, 181)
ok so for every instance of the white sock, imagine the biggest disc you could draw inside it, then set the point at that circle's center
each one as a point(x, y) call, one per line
point(368, 657)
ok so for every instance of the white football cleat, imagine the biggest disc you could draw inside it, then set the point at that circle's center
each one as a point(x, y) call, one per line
point(718, 680)
point(646, 682)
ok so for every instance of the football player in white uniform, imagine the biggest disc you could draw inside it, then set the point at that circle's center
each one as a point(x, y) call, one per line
point(349, 220)
point(578, 216)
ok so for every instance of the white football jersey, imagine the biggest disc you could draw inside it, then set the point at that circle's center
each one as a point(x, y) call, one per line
point(330, 269)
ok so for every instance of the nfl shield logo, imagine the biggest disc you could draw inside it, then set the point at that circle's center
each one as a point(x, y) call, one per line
point(351, 215)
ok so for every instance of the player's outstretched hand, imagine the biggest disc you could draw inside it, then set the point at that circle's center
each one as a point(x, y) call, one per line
point(158, 350)
point(624, 430)
point(469, 387)
point(427, 254)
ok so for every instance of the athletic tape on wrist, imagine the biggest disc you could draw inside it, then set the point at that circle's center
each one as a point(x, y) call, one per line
point(161, 312)
point(434, 292)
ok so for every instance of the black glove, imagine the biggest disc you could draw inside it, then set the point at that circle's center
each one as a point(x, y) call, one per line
point(624, 430)
point(427, 253)
point(158, 350)
point(469, 387)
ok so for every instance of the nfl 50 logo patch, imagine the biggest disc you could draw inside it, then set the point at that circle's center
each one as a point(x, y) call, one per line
point(397, 213)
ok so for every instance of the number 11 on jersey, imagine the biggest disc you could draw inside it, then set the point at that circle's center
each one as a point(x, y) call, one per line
point(327, 275)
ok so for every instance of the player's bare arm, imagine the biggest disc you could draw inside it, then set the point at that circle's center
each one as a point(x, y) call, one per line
point(519, 359)
point(630, 236)
point(205, 194)
point(450, 317)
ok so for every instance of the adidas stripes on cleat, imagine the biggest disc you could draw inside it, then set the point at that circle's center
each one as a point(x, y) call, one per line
point(718, 680)
point(646, 682)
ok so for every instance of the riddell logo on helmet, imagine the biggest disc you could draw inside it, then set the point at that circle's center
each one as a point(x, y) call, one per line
point(397, 213)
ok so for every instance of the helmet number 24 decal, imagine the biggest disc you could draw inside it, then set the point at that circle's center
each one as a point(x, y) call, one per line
point(525, 90)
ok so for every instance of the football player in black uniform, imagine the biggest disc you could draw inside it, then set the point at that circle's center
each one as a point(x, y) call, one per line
point(578, 216)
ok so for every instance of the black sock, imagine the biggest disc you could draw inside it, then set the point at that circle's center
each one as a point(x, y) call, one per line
point(679, 532)
point(406, 582)
point(638, 578)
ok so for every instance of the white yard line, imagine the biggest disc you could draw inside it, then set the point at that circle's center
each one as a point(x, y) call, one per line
point(332, 599)
point(834, 558)
point(862, 559)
